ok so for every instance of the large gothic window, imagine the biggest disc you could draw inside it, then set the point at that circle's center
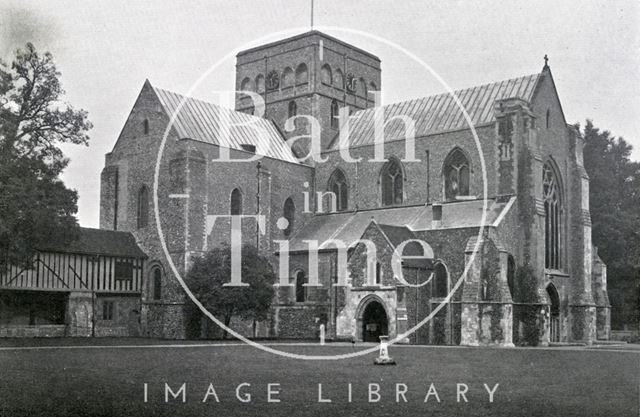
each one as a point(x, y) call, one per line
point(289, 213)
point(338, 186)
point(236, 202)
point(143, 207)
point(441, 285)
point(391, 179)
point(456, 175)
point(553, 217)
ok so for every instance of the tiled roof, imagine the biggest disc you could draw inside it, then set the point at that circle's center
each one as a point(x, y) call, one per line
point(439, 113)
point(100, 242)
point(348, 227)
point(202, 121)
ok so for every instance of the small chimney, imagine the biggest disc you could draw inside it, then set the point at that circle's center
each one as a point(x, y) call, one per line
point(436, 220)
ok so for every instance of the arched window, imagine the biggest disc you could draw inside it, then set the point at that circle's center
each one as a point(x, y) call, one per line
point(246, 84)
point(302, 74)
point(511, 275)
point(289, 214)
point(260, 83)
point(456, 175)
point(338, 79)
point(362, 88)
point(287, 78)
point(553, 217)
point(143, 207)
point(338, 186)
point(301, 293)
point(391, 180)
point(156, 273)
point(236, 202)
point(335, 114)
point(378, 273)
point(293, 109)
point(145, 126)
point(441, 285)
point(325, 74)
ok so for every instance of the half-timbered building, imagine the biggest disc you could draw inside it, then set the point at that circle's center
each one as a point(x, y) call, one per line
point(90, 287)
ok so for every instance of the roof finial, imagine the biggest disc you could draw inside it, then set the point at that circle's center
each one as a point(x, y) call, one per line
point(546, 61)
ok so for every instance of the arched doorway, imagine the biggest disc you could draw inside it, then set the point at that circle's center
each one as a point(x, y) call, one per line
point(374, 322)
point(554, 316)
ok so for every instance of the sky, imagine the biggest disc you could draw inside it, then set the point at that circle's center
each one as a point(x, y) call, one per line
point(106, 49)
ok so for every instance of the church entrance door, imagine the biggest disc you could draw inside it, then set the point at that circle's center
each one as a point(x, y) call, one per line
point(374, 322)
point(554, 325)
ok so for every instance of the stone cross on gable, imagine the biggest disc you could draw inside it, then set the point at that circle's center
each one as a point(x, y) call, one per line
point(546, 61)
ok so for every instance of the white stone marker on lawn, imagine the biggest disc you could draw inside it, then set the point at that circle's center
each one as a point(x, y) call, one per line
point(384, 358)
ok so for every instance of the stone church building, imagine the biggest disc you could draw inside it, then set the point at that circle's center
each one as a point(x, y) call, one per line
point(515, 269)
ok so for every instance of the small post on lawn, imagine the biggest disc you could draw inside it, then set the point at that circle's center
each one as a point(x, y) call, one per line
point(322, 335)
point(383, 357)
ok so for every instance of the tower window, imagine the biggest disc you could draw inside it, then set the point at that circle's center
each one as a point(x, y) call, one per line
point(335, 114)
point(553, 217)
point(260, 83)
point(287, 78)
point(338, 186)
point(236, 202)
point(456, 175)
point(326, 75)
point(302, 74)
point(362, 88)
point(145, 126)
point(378, 273)
point(391, 179)
point(338, 79)
point(246, 84)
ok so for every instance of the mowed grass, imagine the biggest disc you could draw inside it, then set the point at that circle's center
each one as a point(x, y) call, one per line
point(110, 382)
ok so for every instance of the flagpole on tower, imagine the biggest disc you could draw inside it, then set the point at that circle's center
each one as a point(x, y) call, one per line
point(311, 14)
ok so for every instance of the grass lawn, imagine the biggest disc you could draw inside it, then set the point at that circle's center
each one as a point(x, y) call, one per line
point(110, 381)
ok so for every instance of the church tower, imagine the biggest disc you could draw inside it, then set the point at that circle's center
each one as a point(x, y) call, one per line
point(310, 74)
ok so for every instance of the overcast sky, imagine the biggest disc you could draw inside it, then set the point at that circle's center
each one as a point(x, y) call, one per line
point(106, 49)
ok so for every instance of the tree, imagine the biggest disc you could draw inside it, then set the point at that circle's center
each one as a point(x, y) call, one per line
point(208, 274)
point(614, 193)
point(35, 206)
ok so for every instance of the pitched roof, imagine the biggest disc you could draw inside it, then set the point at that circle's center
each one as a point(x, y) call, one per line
point(205, 122)
point(100, 242)
point(398, 223)
point(439, 113)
